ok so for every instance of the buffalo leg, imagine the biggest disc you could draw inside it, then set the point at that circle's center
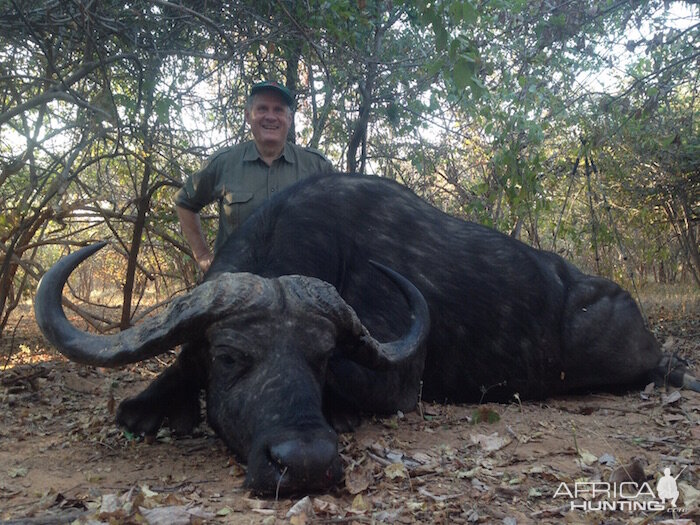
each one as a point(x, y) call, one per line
point(174, 395)
point(342, 415)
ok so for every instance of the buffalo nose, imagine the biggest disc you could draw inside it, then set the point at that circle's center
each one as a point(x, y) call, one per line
point(311, 460)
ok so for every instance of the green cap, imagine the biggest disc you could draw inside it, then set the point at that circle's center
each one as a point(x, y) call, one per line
point(270, 85)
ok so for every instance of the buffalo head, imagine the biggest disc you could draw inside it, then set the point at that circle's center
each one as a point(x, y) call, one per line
point(265, 345)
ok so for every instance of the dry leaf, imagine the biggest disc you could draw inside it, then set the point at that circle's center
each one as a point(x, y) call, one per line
point(174, 515)
point(303, 506)
point(670, 398)
point(258, 504)
point(668, 343)
point(631, 472)
point(606, 459)
point(147, 492)
point(299, 519)
point(110, 503)
point(111, 404)
point(424, 459)
point(491, 442)
point(396, 470)
point(359, 505)
point(78, 384)
point(328, 508)
point(414, 506)
point(358, 480)
point(17, 472)
point(691, 495)
point(586, 457)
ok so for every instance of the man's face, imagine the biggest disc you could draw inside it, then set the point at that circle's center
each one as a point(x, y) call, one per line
point(269, 118)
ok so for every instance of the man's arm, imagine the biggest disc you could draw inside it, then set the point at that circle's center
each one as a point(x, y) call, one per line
point(192, 230)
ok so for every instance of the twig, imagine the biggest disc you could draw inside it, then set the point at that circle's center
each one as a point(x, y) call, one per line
point(517, 438)
point(348, 519)
point(279, 482)
point(48, 519)
point(439, 499)
point(578, 452)
point(419, 406)
point(382, 461)
point(485, 390)
point(563, 509)
point(676, 459)
point(596, 408)
point(10, 381)
point(12, 344)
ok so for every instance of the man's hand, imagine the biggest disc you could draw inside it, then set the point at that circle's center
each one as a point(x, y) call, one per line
point(204, 262)
point(192, 230)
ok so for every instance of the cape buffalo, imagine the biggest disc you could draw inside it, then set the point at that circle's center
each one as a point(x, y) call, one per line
point(349, 294)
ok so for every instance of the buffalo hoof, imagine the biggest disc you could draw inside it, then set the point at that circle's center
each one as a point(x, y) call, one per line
point(140, 415)
point(185, 417)
point(344, 421)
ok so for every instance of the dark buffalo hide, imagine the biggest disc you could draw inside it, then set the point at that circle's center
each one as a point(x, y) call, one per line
point(338, 297)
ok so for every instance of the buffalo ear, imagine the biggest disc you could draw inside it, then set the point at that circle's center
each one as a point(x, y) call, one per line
point(362, 347)
point(374, 391)
point(370, 376)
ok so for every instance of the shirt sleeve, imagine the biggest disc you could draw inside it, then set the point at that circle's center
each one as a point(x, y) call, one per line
point(199, 188)
point(321, 164)
point(327, 167)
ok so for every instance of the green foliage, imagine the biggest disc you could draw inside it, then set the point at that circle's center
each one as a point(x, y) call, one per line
point(481, 107)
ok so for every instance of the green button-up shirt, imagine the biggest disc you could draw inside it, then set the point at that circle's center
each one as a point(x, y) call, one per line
point(240, 181)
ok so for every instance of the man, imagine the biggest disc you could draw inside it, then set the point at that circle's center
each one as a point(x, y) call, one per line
point(242, 177)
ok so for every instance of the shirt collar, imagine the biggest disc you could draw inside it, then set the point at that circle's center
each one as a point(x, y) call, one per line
point(251, 153)
point(287, 153)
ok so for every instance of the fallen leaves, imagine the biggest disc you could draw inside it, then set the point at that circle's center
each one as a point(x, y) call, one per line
point(142, 505)
point(308, 508)
point(449, 465)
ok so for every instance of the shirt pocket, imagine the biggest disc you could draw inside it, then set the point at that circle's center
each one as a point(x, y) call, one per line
point(237, 207)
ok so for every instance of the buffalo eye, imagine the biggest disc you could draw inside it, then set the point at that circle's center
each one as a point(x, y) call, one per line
point(234, 363)
point(226, 360)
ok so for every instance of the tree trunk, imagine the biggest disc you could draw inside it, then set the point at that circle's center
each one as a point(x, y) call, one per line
point(359, 131)
point(142, 208)
point(292, 78)
point(16, 248)
point(143, 200)
point(680, 217)
point(319, 116)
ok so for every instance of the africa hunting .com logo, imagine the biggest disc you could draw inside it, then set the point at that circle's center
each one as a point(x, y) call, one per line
point(626, 496)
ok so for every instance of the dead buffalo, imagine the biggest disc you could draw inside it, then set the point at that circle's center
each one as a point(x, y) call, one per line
point(348, 294)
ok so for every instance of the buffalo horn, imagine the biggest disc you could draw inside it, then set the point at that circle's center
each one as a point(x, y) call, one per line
point(181, 320)
point(362, 347)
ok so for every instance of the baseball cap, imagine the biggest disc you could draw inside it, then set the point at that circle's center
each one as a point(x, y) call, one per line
point(270, 85)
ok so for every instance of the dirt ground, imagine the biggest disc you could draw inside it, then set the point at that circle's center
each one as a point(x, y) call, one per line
point(63, 460)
